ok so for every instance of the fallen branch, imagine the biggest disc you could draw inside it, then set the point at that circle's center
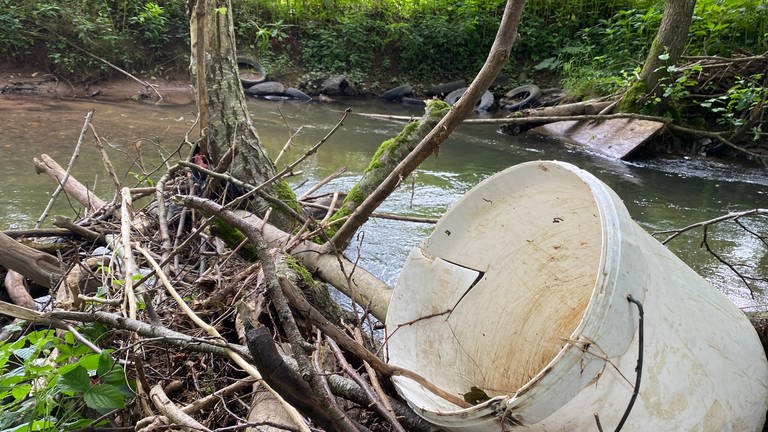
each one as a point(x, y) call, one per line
point(705, 225)
point(730, 216)
point(67, 224)
point(44, 269)
point(364, 288)
point(65, 177)
point(17, 290)
point(497, 58)
point(39, 232)
point(173, 412)
point(75, 189)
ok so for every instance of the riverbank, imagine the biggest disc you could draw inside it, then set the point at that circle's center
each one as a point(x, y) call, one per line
point(33, 82)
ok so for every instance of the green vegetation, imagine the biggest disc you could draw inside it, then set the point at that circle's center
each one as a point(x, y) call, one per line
point(136, 35)
point(51, 383)
point(589, 48)
point(593, 46)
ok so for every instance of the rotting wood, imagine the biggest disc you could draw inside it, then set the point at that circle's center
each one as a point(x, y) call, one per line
point(17, 290)
point(42, 268)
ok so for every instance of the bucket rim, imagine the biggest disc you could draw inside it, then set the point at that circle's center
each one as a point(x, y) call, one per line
point(523, 406)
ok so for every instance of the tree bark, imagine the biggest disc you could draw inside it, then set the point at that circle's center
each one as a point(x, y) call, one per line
point(670, 40)
point(42, 268)
point(228, 138)
point(386, 158)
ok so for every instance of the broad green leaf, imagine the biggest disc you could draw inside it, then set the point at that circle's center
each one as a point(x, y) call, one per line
point(104, 397)
point(90, 361)
point(15, 326)
point(114, 376)
point(106, 363)
point(77, 380)
point(21, 391)
point(25, 353)
point(69, 338)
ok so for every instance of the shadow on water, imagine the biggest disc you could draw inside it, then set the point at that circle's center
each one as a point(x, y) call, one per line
point(660, 194)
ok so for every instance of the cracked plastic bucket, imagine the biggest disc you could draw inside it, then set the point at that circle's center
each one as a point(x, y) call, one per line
point(523, 292)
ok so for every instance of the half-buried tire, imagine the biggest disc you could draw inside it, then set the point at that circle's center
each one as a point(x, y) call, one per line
point(251, 72)
point(520, 97)
point(485, 103)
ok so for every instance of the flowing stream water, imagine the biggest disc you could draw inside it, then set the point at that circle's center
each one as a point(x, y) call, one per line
point(660, 194)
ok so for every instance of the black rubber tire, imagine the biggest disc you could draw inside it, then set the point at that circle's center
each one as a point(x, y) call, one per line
point(396, 93)
point(443, 89)
point(412, 101)
point(255, 68)
point(297, 94)
point(484, 104)
point(530, 92)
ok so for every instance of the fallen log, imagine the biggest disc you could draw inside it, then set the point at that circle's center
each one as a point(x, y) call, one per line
point(75, 189)
point(42, 268)
point(17, 290)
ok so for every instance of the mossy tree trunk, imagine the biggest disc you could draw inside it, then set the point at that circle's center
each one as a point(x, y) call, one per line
point(666, 49)
point(228, 138)
point(389, 154)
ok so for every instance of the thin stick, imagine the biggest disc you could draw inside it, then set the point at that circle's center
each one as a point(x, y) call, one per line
point(60, 187)
point(287, 144)
point(290, 167)
point(358, 336)
point(322, 183)
point(216, 396)
point(331, 208)
point(382, 215)
point(106, 161)
point(734, 215)
point(378, 403)
point(122, 71)
point(129, 265)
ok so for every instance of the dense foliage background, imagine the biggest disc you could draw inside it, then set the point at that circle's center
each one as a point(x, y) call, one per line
point(592, 45)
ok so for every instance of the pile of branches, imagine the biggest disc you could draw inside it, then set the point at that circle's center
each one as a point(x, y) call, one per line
point(215, 325)
point(729, 94)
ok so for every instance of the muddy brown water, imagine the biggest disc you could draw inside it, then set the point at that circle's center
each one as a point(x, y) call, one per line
point(660, 194)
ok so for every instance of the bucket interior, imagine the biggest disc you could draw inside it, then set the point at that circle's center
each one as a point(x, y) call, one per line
point(489, 299)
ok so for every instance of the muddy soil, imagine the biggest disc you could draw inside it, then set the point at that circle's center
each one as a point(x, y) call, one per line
point(30, 82)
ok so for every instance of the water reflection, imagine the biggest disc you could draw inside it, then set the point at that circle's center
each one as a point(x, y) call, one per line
point(659, 194)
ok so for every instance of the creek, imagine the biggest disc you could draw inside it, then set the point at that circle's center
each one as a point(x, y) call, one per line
point(660, 194)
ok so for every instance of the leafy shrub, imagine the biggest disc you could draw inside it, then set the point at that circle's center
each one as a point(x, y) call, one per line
point(51, 383)
point(152, 25)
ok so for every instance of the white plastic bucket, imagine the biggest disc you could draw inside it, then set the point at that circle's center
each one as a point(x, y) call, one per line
point(523, 290)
